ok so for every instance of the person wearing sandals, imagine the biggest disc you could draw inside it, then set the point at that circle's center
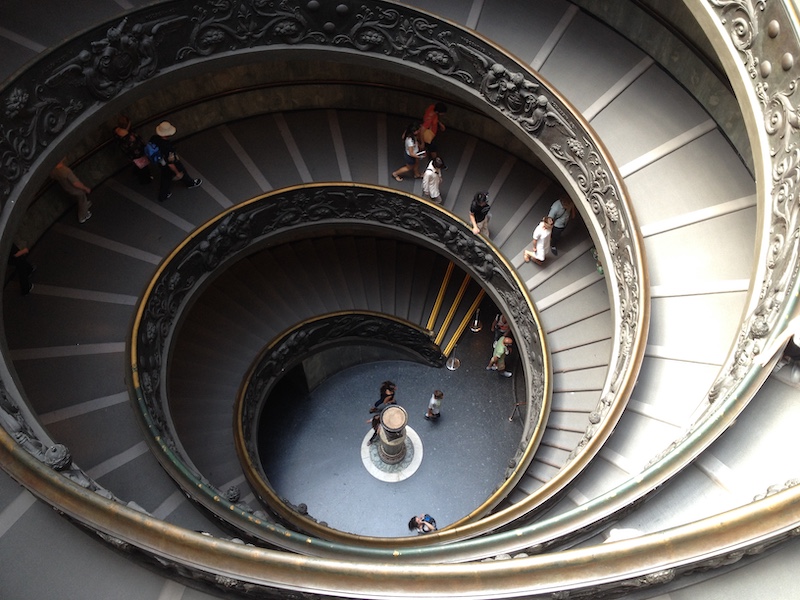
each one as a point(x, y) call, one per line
point(541, 242)
point(411, 154)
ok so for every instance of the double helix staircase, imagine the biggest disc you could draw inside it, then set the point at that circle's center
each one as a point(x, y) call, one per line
point(693, 197)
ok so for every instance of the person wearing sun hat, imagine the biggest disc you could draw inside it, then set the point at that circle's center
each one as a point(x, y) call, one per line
point(172, 168)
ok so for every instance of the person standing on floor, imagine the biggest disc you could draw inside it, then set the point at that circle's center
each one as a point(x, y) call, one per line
point(132, 145)
point(498, 361)
point(375, 423)
point(172, 168)
point(422, 524)
point(541, 242)
point(74, 187)
point(560, 211)
point(500, 328)
point(479, 214)
point(434, 405)
point(388, 388)
point(432, 179)
point(431, 127)
point(411, 153)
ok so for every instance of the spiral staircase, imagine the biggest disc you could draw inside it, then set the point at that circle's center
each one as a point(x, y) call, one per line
point(664, 508)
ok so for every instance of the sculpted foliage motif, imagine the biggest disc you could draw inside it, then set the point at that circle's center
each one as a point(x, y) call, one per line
point(515, 94)
point(126, 55)
point(32, 120)
point(235, 232)
point(781, 121)
point(743, 25)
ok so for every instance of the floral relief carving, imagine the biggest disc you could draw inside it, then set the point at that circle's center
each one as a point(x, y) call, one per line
point(407, 37)
point(781, 122)
point(126, 55)
point(515, 94)
point(238, 230)
point(742, 25)
point(32, 119)
point(227, 25)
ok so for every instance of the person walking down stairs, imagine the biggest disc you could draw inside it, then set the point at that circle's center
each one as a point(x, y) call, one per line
point(161, 151)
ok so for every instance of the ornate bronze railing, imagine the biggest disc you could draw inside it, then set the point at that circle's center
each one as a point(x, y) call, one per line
point(335, 330)
point(759, 52)
point(153, 45)
point(54, 99)
point(306, 210)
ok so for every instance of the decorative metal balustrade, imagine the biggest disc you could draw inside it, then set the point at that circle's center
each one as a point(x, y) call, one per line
point(55, 98)
point(760, 43)
point(304, 211)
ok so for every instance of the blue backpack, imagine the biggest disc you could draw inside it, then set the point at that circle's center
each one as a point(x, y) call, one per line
point(153, 152)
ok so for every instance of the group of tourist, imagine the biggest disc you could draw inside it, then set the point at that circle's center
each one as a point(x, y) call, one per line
point(387, 398)
point(158, 152)
point(419, 142)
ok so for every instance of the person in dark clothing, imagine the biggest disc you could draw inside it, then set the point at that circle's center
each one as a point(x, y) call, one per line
point(479, 214)
point(132, 145)
point(388, 388)
point(422, 524)
point(172, 168)
point(24, 269)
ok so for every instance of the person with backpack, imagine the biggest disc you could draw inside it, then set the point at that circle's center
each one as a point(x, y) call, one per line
point(422, 524)
point(161, 151)
point(561, 211)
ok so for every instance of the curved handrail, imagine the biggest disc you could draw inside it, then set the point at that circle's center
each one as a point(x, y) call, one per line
point(300, 341)
point(164, 39)
point(753, 522)
point(615, 567)
point(245, 228)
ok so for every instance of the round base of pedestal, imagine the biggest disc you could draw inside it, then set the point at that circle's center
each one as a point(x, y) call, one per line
point(397, 472)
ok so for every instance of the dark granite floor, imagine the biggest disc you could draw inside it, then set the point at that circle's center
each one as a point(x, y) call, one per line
point(315, 444)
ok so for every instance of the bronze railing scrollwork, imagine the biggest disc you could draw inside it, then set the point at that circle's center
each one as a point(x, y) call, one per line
point(52, 103)
point(247, 227)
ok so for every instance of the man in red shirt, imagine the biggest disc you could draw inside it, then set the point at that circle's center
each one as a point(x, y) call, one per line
point(431, 126)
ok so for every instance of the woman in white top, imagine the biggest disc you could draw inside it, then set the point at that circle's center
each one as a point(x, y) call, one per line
point(412, 153)
point(434, 405)
point(432, 179)
point(541, 242)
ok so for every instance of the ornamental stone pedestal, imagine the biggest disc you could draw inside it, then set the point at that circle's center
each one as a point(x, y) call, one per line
point(392, 435)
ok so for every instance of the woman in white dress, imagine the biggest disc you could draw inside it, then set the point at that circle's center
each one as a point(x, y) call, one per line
point(541, 242)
